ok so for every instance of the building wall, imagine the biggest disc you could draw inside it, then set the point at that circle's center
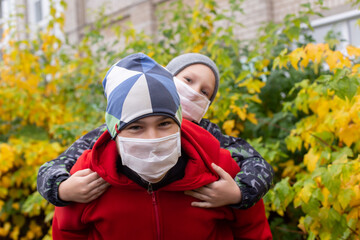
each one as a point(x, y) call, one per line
point(256, 12)
point(81, 13)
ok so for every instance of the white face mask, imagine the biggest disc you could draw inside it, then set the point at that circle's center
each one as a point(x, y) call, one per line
point(150, 158)
point(194, 105)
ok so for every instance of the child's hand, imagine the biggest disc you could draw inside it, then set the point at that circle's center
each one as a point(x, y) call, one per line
point(82, 187)
point(220, 193)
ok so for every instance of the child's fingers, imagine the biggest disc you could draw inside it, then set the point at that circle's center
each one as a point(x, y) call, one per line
point(222, 173)
point(92, 177)
point(95, 181)
point(206, 190)
point(201, 204)
point(98, 191)
point(198, 195)
point(83, 172)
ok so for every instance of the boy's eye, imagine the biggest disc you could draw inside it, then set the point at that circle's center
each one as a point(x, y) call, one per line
point(134, 127)
point(164, 124)
point(187, 79)
point(205, 93)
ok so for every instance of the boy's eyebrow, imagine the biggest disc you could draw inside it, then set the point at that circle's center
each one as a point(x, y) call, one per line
point(197, 75)
point(161, 118)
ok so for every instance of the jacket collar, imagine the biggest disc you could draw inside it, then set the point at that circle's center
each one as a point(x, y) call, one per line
point(200, 147)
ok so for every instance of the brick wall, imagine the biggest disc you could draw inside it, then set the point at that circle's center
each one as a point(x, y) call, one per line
point(142, 13)
point(283, 7)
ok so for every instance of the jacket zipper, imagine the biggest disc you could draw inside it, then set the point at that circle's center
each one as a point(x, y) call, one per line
point(156, 210)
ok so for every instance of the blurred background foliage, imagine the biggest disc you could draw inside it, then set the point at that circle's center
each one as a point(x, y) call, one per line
point(296, 102)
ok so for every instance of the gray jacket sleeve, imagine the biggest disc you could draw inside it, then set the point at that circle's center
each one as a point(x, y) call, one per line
point(256, 175)
point(52, 173)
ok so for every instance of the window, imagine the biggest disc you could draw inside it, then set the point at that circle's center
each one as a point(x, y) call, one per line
point(38, 11)
point(344, 26)
point(1, 18)
point(354, 32)
point(1, 9)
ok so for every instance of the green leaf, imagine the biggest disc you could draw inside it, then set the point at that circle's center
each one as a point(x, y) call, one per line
point(293, 33)
point(312, 207)
point(331, 182)
point(31, 201)
point(32, 132)
point(284, 193)
point(338, 223)
point(324, 79)
point(345, 196)
point(344, 88)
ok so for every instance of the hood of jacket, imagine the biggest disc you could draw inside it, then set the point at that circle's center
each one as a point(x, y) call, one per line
point(199, 145)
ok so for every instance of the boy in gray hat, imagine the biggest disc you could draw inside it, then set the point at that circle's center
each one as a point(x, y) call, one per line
point(197, 84)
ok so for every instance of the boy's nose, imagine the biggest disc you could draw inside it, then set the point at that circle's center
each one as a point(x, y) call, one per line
point(197, 88)
point(151, 133)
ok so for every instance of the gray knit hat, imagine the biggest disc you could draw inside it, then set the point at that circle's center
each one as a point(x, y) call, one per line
point(177, 64)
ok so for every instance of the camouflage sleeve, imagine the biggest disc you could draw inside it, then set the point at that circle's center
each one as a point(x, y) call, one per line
point(256, 175)
point(52, 173)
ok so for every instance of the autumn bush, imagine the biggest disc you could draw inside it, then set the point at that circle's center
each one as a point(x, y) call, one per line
point(321, 172)
point(295, 101)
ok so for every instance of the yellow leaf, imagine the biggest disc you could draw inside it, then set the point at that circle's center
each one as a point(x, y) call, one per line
point(5, 230)
point(349, 134)
point(241, 112)
point(297, 201)
point(353, 214)
point(228, 126)
point(280, 212)
point(301, 224)
point(310, 160)
point(15, 232)
point(293, 143)
point(266, 62)
point(255, 86)
point(240, 126)
point(355, 201)
point(7, 157)
point(16, 206)
point(355, 69)
point(305, 193)
point(325, 235)
point(311, 51)
point(326, 194)
point(49, 69)
point(353, 51)
point(251, 117)
point(314, 227)
point(255, 98)
point(331, 60)
point(245, 82)
point(290, 169)
point(151, 54)
point(295, 56)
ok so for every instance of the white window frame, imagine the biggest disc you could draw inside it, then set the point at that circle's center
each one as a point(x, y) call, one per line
point(344, 17)
point(36, 26)
point(8, 10)
point(31, 11)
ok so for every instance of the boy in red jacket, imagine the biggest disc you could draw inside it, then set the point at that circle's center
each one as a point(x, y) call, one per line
point(149, 165)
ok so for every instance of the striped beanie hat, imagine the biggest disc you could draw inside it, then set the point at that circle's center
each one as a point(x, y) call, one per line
point(137, 87)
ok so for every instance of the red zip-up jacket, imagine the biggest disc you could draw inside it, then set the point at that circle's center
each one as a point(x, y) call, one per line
point(128, 211)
